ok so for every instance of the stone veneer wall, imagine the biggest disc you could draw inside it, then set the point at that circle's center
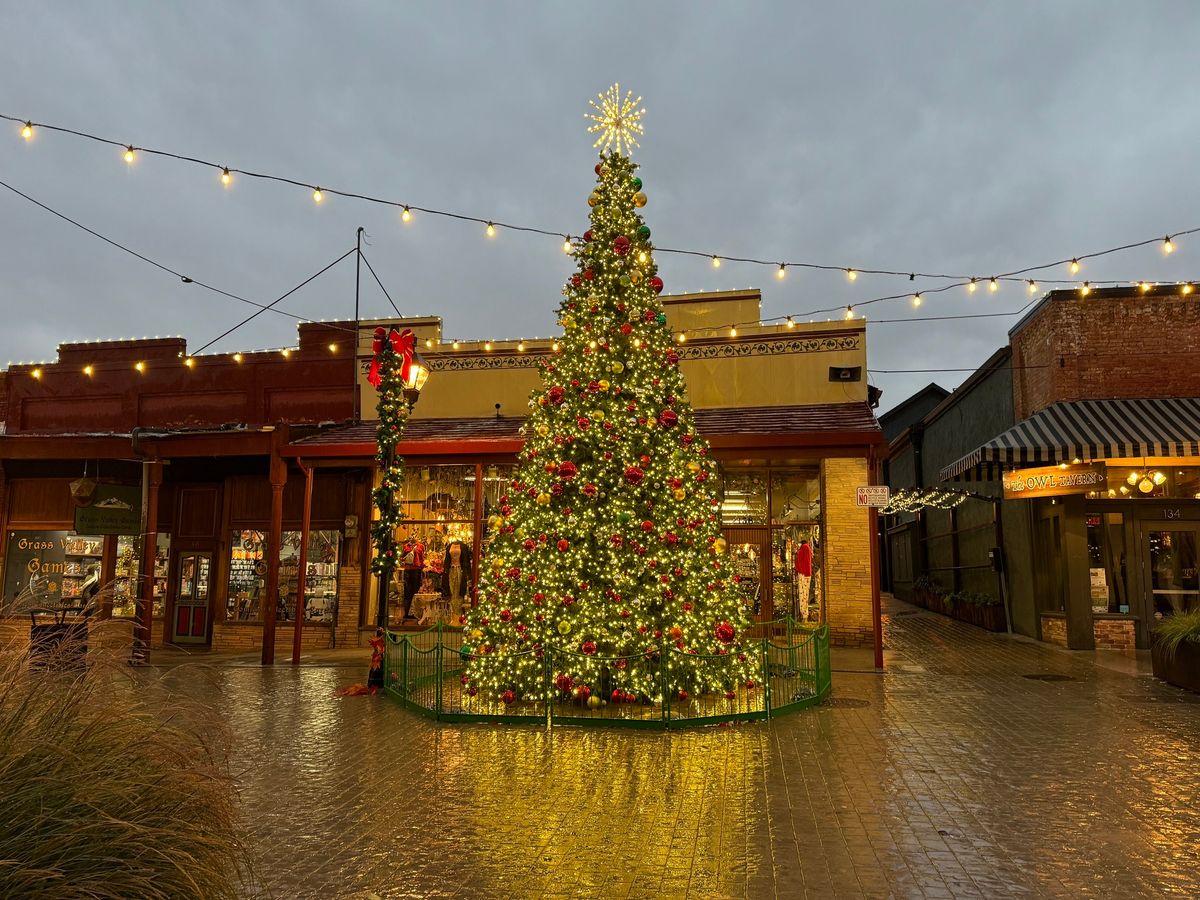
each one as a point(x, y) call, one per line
point(847, 553)
point(1054, 629)
point(1114, 634)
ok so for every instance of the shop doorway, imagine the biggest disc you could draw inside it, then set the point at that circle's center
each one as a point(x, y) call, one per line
point(766, 573)
point(193, 575)
point(1170, 560)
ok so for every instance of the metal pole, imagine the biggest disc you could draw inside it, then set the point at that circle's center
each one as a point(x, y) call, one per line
point(356, 410)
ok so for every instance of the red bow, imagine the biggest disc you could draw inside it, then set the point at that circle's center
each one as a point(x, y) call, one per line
point(402, 344)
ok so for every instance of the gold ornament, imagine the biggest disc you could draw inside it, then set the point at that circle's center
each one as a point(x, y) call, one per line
point(543, 429)
point(617, 368)
point(543, 499)
point(635, 277)
point(564, 626)
point(639, 199)
point(720, 545)
point(680, 493)
point(693, 466)
point(593, 199)
point(597, 415)
point(568, 321)
point(603, 383)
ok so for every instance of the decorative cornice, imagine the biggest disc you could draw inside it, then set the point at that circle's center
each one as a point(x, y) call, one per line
point(700, 349)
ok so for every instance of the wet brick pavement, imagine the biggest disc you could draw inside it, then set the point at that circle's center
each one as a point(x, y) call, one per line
point(953, 775)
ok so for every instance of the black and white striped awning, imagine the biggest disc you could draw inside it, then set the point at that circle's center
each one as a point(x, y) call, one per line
point(1087, 430)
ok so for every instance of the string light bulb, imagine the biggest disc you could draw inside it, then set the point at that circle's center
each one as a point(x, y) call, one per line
point(285, 352)
point(1074, 267)
point(1186, 289)
point(972, 285)
point(1144, 285)
point(428, 343)
point(333, 348)
point(642, 256)
point(849, 312)
point(1032, 286)
point(455, 345)
point(190, 362)
point(1085, 289)
point(993, 284)
point(716, 261)
point(682, 337)
point(851, 275)
point(487, 346)
point(554, 347)
point(226, 177)
point(781, 272)
point(566, 243)
point(491, 230)
point(36, 374)
point(88, 370)
point(27, 131)
point(1167, 246)
point(916, 299)
point(520, 346)
point(130, 155)
point(318, 195)
point(237, 357)
point(406, 215)
point(140, 366)
point(732, 332)
point(791, 322)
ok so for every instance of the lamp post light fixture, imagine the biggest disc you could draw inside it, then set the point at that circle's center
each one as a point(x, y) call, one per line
point(418, 374)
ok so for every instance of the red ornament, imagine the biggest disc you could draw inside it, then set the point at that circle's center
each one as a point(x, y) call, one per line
point(647, 526)
point(671, 537)
point(597, 168)
point(582, 423)
point(508, 697)
point(555, 395)
point(588, 274)
point(626, 328)
point(584, 692)
point(683, 695)
point(589, 489)
point(617, 696)
point(588, 648)
point(587, 235)
point(657, 284)
point(672, 357)
point(576, 280)
point(566, 470)
point(668, 418)
point(644, 460)
point(620, 245)
point(564, 545)
point(634, 475)
point(563, 683)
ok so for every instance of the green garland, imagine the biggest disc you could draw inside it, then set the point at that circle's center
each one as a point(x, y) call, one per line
point(393, 416)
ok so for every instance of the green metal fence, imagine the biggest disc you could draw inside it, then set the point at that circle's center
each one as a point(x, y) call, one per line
point(425, 672)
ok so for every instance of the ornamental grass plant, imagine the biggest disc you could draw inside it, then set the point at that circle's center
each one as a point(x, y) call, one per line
point(1173, 630)
point(111, 785)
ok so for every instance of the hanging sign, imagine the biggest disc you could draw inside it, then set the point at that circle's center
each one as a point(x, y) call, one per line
point(114, 509)
point(1055, 481)
point(873, 495)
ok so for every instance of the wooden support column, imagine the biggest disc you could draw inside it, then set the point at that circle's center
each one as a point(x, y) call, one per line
point(274, 540)
point(1080, 633)
point(152, 474)
point(302, 564)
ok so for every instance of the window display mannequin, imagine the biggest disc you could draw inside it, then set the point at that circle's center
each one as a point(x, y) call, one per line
point(803, 566)
point(456, 579)
point(412, 563)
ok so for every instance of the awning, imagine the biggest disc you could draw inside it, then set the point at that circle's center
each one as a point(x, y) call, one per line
point(1088, 430)
point(775, 428)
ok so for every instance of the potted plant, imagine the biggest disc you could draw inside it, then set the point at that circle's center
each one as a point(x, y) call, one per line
point(1175, 650)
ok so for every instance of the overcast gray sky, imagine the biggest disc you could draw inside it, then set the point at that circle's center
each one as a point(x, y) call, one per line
point(939, 136)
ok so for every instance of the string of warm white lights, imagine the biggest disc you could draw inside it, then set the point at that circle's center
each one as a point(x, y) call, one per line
point(909, 500)
point(28, 129)
point(731, 329)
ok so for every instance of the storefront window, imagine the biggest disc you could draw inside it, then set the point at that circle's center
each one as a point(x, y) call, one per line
point(126, 587)
point(247, 576)
point(320, 576)
point(1150, 482)
point(1174, 582)
point(1106, 562)
point(743, 496)
point(49, 568)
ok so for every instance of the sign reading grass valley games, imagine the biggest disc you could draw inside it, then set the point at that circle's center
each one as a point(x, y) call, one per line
point(1055, 481)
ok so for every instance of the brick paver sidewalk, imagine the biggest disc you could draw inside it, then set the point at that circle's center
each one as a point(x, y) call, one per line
point(953, 774)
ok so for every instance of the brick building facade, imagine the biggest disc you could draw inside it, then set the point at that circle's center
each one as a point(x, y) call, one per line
point(1100, 393)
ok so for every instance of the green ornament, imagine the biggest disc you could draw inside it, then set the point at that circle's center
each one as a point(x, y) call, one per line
point(637, 184)
point(661, 318)
point(624, 279)
point(563, 626)
point(644, 232)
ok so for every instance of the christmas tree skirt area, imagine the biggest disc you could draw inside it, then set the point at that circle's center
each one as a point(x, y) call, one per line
point(426, 672)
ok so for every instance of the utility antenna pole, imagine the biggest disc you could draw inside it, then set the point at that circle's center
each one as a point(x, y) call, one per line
point(354, 392)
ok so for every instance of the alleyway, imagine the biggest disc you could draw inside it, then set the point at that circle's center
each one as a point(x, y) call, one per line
point(954, 774)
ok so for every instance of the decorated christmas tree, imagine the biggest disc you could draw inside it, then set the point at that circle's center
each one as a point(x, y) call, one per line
point(606, 573)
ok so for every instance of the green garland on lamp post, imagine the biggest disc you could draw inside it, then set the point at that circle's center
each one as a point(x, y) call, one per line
point(393, 359)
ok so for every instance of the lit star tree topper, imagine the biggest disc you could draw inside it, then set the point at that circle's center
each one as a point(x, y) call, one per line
point(606, 576)
point(617, 121)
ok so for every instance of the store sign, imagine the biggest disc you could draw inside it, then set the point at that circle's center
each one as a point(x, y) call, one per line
point(114, 509)
point(876, 495)
point(1055, 481)
point(35, 567)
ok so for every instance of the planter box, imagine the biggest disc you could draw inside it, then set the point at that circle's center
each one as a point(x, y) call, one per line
point(989, 618)
point(1182, 670)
